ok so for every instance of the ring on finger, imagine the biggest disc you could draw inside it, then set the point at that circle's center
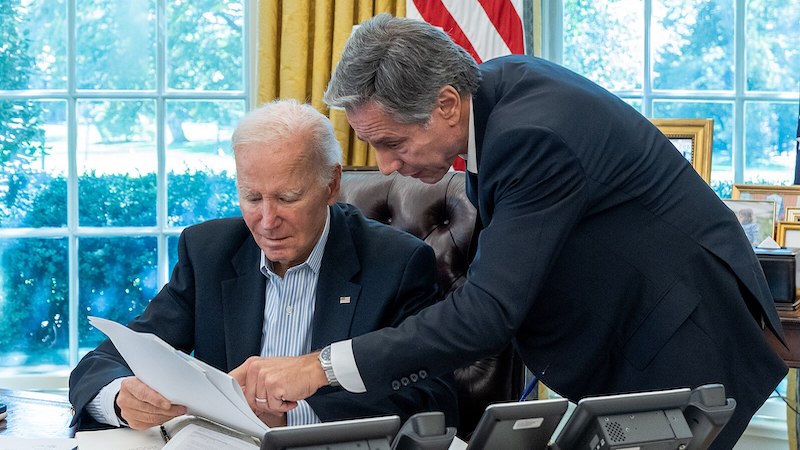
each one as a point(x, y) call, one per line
point(261, 400)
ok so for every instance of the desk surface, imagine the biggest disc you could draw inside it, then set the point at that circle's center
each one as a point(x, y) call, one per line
point(35, 415)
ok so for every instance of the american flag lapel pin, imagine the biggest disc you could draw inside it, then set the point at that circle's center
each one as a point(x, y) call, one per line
point(344, 300)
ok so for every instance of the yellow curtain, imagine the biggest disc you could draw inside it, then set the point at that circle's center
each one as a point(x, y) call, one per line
point(300, 42)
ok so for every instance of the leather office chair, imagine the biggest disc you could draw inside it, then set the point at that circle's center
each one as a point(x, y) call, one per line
point(442, 216)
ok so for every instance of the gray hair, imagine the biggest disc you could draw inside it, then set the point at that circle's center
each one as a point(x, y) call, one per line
point(401, 64)
point(271, 123)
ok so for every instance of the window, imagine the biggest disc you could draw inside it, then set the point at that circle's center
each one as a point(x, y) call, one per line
point(115, 125)
point(736, 61)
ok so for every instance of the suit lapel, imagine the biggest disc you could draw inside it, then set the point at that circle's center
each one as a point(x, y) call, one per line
point(337, 296)
point(243, 305)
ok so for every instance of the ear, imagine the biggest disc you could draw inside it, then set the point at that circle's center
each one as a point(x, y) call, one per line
point(335, 185)
point(448, 104)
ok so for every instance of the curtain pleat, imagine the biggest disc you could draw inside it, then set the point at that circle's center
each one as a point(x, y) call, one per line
point(299, 44)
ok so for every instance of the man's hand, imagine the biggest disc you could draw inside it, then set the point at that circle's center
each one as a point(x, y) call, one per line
point(276, 384)
point(143, 407)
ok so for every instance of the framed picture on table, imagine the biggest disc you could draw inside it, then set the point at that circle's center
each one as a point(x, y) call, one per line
point(784, 196)
point(789, 234)
point(693, 138)
point(757, 218)
point(792, 214)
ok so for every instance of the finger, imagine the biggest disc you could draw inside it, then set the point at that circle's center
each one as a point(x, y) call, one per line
point(240, 373)
point(144, 393)
point(278, 405)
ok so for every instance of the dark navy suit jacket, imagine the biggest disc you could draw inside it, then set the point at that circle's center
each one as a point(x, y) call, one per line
point(214, 305)
point(603, 256)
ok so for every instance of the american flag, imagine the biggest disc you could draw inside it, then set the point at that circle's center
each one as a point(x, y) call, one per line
point(484, 28)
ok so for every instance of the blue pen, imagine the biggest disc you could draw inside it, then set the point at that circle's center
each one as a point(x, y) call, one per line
point(528, 389)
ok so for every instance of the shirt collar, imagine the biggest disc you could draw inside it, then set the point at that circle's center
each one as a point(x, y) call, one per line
point(314, 260)
point(471, 157)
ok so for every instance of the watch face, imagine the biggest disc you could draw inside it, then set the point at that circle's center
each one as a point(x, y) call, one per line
point(326, 353)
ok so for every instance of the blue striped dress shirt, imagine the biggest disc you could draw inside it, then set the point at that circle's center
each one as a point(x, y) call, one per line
point(288, 314)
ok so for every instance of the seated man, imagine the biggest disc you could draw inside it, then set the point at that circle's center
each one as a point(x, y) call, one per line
point(296, 272)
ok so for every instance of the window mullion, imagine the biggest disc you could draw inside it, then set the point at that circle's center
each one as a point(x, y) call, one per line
point(161, 119)
point(739, 79)
point(647, 84)
point(72, 183)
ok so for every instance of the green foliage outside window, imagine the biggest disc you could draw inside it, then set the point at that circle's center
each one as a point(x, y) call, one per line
point(117, 275)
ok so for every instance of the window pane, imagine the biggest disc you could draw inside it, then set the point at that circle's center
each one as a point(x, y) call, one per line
point(769, 143)
point(693, 44)
point(118, 279)
point(205, 45)
point(201, 181)
point(33, 45)
point(116, 44)
point(604, 41)
point(33, 188)
point(722, 145)
point(117, 163)
point(772, 45)
point(34, 296)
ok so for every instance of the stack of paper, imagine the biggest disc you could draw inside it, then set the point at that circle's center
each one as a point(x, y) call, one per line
point(204, 390)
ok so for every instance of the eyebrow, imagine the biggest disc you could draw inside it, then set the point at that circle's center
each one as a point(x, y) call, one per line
point(385, 139)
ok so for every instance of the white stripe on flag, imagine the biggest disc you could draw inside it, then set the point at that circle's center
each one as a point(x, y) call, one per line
point(475, 24)
point(480, 31)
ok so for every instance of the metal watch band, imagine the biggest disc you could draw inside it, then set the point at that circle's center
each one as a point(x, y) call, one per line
point(327, 366)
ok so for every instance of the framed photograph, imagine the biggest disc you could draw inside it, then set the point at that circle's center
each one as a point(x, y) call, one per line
point(693, 138)
point(789, 234)
point(792, 214)
point(783, 196)
point(756, 216)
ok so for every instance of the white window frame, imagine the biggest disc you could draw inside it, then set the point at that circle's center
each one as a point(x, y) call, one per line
point(552, 49)
point(161, 231)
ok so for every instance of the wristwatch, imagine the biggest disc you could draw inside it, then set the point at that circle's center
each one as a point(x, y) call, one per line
point(327, 367)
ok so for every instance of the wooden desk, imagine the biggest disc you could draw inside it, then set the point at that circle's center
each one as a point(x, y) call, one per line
point(36, 415)
point(790, 320)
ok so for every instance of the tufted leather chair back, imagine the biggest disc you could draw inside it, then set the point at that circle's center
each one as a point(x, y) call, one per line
point(442, 216)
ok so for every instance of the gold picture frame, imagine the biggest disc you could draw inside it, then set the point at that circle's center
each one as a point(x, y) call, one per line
point(792, 214)
point(693, 138)
point(784, 196)
point(789, 234)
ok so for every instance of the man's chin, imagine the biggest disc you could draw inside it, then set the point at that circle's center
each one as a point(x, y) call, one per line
point(428, 177)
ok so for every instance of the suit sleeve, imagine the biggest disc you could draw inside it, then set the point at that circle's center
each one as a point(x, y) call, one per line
point(415, 291)
point(533, 189)
point(169, 315)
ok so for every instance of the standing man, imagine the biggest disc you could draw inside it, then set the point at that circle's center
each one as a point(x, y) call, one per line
point(603, 256)
point(296, 272)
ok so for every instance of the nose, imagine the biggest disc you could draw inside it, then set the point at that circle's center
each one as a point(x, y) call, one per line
point(388, 162)
point(270, 218)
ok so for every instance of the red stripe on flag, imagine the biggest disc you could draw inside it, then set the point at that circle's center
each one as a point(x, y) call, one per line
point(435, 13)
point(505, 19)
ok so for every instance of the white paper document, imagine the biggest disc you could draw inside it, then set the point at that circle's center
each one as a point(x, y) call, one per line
point(16, 443)
point(120, 439)
point(204, 390)
point(196, 437)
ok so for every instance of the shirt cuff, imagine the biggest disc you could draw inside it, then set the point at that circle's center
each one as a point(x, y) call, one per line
point(101, 408)
point(344, 367)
